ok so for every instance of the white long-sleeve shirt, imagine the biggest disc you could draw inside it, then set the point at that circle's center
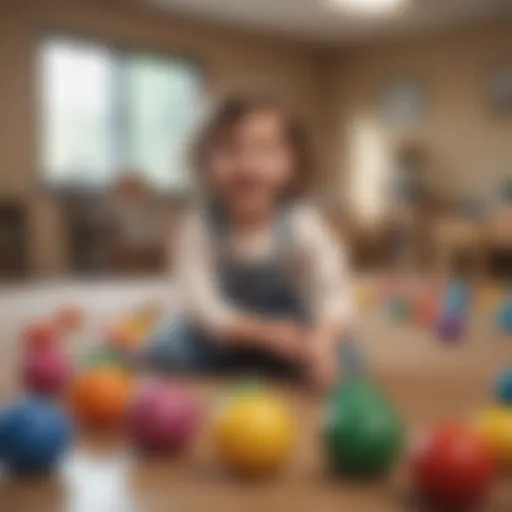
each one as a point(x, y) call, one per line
point(318, 260)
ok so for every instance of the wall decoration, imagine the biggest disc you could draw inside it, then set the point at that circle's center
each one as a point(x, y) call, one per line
point(403, 103)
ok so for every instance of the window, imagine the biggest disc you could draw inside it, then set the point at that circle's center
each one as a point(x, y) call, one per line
point(104, 110)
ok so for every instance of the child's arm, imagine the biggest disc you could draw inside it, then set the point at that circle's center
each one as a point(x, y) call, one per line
point(330, 293)
point(205, 303)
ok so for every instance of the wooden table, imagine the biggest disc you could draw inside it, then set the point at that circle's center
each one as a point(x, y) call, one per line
point(427, 381)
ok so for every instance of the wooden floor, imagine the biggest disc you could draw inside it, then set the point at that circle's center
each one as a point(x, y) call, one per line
point(427, 381)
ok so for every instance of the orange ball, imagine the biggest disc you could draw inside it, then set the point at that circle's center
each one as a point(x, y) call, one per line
point(100, 397)
point(69, 317)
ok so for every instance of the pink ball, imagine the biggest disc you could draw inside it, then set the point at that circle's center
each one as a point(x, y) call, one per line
point(163, 417)
point(46, 371)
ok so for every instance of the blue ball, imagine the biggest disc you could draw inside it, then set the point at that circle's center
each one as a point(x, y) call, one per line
point(504, 387)
point(504, 317)
point(34, 435)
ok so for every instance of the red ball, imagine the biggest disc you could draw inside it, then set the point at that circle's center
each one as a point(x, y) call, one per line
point(452, 468)
point(163, 417)
point(46, 371)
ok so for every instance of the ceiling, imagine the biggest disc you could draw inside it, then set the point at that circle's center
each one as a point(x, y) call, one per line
point(317, 20)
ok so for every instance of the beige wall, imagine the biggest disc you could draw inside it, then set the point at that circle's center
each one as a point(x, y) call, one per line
point(228, 59)
point(470, 148)
point(335, 89)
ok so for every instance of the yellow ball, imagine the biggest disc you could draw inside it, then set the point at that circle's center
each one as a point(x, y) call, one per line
point(253, 433)
point(495, 427)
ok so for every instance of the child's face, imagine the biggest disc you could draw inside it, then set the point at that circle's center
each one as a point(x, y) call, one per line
point(252, 164)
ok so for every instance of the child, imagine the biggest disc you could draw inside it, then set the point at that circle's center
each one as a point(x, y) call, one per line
point(263, 282)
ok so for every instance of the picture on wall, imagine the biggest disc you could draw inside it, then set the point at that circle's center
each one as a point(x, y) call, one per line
point(403, 103)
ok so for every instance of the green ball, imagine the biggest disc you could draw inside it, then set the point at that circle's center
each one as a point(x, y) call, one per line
point(399, 309)
point(362, 434)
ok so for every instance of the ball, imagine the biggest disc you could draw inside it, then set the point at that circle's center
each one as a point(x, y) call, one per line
point(163, 417)
point(34, 435)
point(46, 371)
point(494, 425)
point(451, 468)
point(100, 397)
point(504, 387)
point(253, 434)
point(362, 434)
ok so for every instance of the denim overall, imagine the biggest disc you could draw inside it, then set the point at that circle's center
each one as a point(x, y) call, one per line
point(265, 288)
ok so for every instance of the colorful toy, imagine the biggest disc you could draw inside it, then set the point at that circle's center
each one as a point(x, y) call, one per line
point(504, 387)
point(451, 468)
point(457, 299)
point(104, 355)
point(46, 371)
point(399, 309)
point(504, 316)
point(100, 397)
point(69, 317)
point(163, 417)
point(451, 327)
point(253, 433)
point(425, 310)
point(34, 436)
point(362, 434)
point(495, 427)
point(125, 336)
point(40, 334)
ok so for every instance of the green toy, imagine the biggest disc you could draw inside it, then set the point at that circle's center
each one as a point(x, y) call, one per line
point(399, 309)
point(103, 355)
point(362, 434)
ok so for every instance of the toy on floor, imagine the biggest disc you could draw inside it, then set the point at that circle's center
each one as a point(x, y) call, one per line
point(100, 397)
point(504, 316)
point(451, 327)
point(362, 433)
point(504, 387)
point(40, 334)
point(454, 311)
point(69, 318)
point(125, 336)
point(34, 435)
point(495, 427)
point(425, 310)
point(452, 469)
point(46, 371)
point(253, 433)
point(162, 418)
point(104, 355)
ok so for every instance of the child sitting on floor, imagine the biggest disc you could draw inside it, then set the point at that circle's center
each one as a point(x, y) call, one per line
point(263, 282)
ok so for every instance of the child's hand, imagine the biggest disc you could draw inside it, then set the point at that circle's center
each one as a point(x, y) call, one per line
point(286, 339)
point(323, 365)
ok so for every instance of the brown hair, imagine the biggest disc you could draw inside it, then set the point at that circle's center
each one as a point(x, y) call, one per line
point(233, 109)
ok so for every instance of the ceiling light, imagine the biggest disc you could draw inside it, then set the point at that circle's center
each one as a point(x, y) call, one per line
point(369, 7)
